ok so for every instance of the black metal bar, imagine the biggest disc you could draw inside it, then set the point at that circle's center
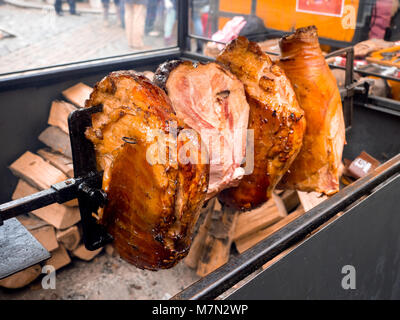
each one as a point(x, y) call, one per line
point(382, 109)
point(239, 267)
point(253, 7)
point(337, 52)
point(348, 83)
point(375, 74)
point(94, 235)
point(104, 60)
point(83, 154)
point(197, 56)
point(90, 195)
point(359, 87)
point(365, 236)
point(227, 14)
point(204, 39)
point(183, 25)
point(363, 72)
point(214, 15)
point(43, 75)
point(60, 192)
point(26, 204)
point(193, 36)
point(349, 77)
point(349, 66)
point(382, 104)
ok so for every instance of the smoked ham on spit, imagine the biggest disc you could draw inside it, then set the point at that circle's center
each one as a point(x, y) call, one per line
point(212, 101)
point(154, 197)
point(153, 205)
point(317, 167)
point(275, 116)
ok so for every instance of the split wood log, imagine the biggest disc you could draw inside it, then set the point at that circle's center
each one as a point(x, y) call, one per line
point(59, 113)
point(58, 160)
point(310, 199)
point(247, 242)
point(57, 140)
point(251, 221)
point(217, 244)
point(70, 238)
point(59, 258)
point(46, 236)
point(196, 249)
point(291, 200)
point(39, 173)
point(21, 278)
point(78, 94)
point(36, 171)
point(29, 221)
point(84, 254)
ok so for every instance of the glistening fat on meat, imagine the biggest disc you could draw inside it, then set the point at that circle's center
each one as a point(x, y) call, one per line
point(319, 163)
point(275, 117)
point(212, 101)
point(152, 207)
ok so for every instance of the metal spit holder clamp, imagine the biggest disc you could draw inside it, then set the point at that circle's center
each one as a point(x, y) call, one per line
point(347, 93)
point(90, 195)
point(352, 89)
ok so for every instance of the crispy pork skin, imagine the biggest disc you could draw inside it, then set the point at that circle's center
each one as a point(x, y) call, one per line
point(154, 199)
point(317, 166)
point(212, 101)
point(275, 117)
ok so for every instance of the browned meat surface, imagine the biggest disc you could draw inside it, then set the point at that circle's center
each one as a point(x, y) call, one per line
point(275, 117)
point(152, 205)
point(212, 101)
point(318, 164)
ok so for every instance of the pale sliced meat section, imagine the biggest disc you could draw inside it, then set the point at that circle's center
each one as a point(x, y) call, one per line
point(212, 101)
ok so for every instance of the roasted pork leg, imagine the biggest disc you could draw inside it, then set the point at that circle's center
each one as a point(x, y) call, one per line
point(212, 101)
point(154, 199)
point(318, 165)
point(275, 116)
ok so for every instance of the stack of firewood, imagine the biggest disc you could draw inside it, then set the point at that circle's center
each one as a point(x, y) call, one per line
point(57, 226)
point(222, 231)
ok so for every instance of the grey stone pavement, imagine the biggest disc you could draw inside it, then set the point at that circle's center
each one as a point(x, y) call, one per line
point(45, 39)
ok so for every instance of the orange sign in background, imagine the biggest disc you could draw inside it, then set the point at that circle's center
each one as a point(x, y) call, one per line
point(323, 7)
point(282, 15)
